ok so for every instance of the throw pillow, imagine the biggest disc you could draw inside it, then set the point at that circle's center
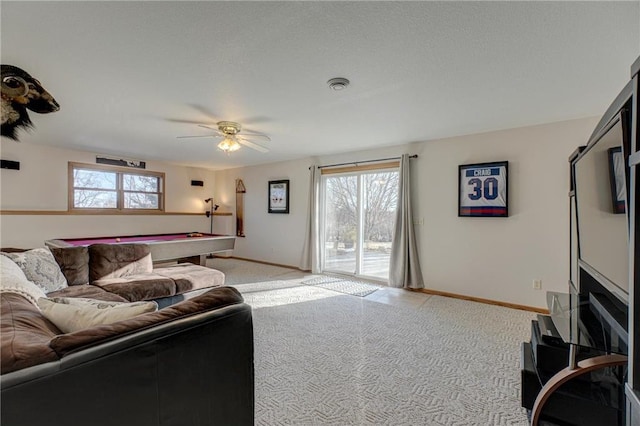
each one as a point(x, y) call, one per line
point(118, 260)
point(71, 314)
point(74, 263)
point(13, 280)
point(40, 267)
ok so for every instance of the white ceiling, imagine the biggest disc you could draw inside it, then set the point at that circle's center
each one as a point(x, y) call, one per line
point(132, 76)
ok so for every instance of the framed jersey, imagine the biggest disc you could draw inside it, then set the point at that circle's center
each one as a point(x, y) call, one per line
point(483, 189)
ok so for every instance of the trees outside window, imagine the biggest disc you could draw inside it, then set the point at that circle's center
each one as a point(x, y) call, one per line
point(96, 187)
point(359, 220)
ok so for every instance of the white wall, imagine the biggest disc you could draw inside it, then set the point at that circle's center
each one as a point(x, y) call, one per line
point(41, 184)
point(492, 258)
point(270, 237)
point(497, 258)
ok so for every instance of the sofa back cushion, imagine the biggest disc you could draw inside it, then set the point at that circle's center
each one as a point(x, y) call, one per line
point(24, 334)
point(118, 260)
point(74, 264)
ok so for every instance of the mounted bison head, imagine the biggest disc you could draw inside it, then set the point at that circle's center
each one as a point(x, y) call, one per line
point(20, 92)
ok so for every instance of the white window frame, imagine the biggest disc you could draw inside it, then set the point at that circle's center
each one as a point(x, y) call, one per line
point(357, 171)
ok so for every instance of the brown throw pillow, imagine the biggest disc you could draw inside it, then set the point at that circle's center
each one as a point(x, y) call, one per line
point(74, 263)
point(118, 260)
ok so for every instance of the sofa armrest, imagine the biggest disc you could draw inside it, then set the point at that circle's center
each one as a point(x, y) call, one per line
point(214, 299)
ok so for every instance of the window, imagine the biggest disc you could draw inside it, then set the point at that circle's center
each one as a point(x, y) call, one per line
point(97, 187)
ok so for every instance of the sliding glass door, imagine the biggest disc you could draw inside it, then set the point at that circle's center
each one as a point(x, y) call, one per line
point(358, 218)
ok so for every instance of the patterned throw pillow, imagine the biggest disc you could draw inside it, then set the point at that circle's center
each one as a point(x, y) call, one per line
point(12, 280)
point(71, 314)
point(41, 268)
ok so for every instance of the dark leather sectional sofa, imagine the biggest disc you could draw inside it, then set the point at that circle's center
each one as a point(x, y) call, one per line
point(189, 363)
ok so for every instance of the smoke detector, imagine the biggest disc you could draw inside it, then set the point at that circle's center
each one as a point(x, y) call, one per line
point(338, 83)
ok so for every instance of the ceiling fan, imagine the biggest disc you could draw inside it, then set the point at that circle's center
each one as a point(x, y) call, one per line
point(229, 131)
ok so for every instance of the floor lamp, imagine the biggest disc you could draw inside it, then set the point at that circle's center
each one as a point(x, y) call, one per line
point(209, 212)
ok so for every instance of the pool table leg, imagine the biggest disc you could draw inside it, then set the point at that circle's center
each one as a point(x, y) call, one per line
point(196, 260)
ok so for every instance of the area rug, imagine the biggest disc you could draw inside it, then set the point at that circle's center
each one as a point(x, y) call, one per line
point(324, 358)
point(342, 285)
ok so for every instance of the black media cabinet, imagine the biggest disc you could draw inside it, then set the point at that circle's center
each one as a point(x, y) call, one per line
point(574, 368)
point(595, 398)
point(582, 364)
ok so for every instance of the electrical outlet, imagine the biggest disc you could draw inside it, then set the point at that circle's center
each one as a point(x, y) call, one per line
point(537, 284)
point(418, 221)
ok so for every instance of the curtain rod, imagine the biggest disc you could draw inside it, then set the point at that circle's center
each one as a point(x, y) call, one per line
point(355, 163)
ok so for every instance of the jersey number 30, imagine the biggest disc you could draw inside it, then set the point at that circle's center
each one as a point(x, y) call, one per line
point(487, 189)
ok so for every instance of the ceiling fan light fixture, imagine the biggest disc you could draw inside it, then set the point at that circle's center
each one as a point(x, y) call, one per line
point(228, 145)
point(338, 83)
point(232, 141)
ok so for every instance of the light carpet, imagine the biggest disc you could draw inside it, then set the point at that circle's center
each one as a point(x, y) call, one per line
point(238, 271)
point(327, 359)
point(342, 285)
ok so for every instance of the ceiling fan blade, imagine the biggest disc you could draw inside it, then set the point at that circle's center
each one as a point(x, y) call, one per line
point(204, 110)
point(252, 145)
point(215, 129)
point(177, 120)
point(255, 135)
point(255, 119)
point(199, 136)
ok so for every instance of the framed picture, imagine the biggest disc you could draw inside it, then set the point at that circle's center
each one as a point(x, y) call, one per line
point(483, 190)
point(617, 179)
point(279, 196)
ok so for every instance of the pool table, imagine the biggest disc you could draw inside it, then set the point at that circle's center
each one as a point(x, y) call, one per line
point(163, 247)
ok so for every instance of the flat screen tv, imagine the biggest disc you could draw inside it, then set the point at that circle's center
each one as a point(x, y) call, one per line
point(600, 184)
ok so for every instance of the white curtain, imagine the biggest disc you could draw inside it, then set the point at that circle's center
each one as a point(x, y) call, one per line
point(404, 268)
point(311, 251)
